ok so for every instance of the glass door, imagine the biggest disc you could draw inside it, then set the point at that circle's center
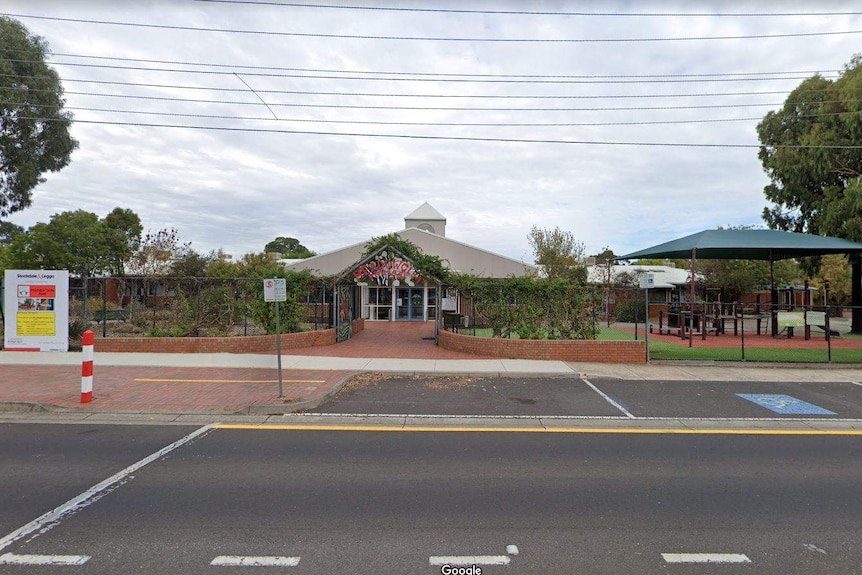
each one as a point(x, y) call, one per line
point(409, 304)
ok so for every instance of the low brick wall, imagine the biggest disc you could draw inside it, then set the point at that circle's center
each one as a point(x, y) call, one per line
point(560, 350)
point(251, 344)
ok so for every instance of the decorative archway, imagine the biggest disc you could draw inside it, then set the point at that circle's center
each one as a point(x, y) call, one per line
point(395, 289)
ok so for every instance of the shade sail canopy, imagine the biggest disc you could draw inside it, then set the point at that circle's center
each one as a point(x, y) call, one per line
point(747, 245)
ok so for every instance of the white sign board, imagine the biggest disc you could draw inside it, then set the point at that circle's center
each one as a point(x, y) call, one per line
point(36, 310)
point(816, 318)
point(274, 289)
point(647, 281)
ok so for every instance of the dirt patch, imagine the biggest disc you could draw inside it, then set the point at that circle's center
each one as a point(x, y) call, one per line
point(436, 383)
point(362, 380)
point(447, 383)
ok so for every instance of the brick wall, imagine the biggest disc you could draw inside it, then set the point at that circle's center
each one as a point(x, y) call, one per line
point(560, 350)
point(252, 344)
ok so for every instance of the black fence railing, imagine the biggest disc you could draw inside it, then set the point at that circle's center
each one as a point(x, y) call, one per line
point(132, 306)
point(716, 331)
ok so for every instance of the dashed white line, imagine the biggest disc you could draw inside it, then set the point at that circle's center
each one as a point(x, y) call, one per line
point(53, 518)
point(609, 399)
point(467, 560)
point(705, 558)
point(61, 560)
point(250, 561)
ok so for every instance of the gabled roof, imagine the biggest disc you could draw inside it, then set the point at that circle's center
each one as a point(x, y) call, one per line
point(425, 212)
point(747, 245)
point(665, 277)
point(456, 256)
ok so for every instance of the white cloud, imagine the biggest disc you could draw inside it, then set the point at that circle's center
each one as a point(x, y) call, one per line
point(237, 190)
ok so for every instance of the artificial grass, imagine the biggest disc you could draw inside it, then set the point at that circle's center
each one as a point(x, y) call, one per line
point(670, 351)
point(660, 350)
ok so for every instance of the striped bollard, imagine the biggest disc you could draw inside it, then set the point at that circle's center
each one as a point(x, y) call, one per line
point(87, 340)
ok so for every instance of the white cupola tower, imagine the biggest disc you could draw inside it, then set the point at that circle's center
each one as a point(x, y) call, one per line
point(426, 218)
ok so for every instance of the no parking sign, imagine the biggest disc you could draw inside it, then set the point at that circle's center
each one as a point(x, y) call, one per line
point(274, 289)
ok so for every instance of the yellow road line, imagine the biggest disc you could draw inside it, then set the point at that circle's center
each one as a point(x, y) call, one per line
point(611, 430)
point(153, 380)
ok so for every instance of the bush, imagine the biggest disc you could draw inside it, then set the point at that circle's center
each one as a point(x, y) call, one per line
point(624, 311)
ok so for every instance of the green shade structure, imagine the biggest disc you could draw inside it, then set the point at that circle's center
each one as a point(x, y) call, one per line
point(768, 245)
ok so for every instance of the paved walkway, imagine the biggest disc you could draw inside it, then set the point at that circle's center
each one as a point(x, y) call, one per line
point(208, 384)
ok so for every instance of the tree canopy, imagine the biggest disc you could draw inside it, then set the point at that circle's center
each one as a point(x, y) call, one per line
point(157, 253)
point(289, 248)
point(71, 240)
point(559, 253)
point(34, 128)
point(810, 151)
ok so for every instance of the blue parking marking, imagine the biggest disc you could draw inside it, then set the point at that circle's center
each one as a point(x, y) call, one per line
point(784, 404)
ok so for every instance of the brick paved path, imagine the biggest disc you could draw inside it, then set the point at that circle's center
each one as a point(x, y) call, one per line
point(408, 340)
point(163, 388)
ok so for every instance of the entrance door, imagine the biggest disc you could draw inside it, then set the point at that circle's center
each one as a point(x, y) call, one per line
point(409, 304)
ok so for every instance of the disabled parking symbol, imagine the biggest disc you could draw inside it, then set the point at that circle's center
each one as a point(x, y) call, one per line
point(784, 404)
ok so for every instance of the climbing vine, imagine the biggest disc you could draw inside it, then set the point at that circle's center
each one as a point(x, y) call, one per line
point(530, 307)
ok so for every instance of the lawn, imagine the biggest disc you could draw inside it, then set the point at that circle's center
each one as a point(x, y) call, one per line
point(674, 351)
point(661, 350)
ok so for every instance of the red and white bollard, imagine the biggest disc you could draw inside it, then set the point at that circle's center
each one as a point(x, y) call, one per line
point(87, 341)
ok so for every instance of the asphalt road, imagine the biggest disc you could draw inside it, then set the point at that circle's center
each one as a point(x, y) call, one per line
point(577, 397)
point(371, 502)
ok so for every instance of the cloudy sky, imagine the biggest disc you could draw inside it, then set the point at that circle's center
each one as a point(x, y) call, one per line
point(626, 123)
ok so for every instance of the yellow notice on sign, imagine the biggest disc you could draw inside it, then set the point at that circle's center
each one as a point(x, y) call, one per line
point(37, 324)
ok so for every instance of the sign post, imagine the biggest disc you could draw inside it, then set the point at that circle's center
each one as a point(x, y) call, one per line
point(647, 280)
point(275, 290)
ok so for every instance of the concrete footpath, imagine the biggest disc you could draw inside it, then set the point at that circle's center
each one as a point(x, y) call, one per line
point(239, 388)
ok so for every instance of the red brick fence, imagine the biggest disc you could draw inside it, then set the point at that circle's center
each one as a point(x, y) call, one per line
point(560, 350)
point(251, 344)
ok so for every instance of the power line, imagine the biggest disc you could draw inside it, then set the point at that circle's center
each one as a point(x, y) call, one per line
point(452, 138)
point(526, 12)
point(428, 124)
point(422, 95)
point(437, 38)
point(634, 80)
point(233, 67)
point(433, 108)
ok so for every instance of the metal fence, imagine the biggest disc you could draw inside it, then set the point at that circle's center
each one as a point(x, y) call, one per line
point(745, 332)
point(717, 331)
point(187, 306)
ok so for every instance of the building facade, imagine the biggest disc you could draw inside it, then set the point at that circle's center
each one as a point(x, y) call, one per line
point(385, 287)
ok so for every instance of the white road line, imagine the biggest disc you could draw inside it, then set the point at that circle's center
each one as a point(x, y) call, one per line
point(63, 560)
point(467, 560)
point(855, 383)
point(247, 561)
point(705, 558)
point(51, 519)
point(609, 399)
